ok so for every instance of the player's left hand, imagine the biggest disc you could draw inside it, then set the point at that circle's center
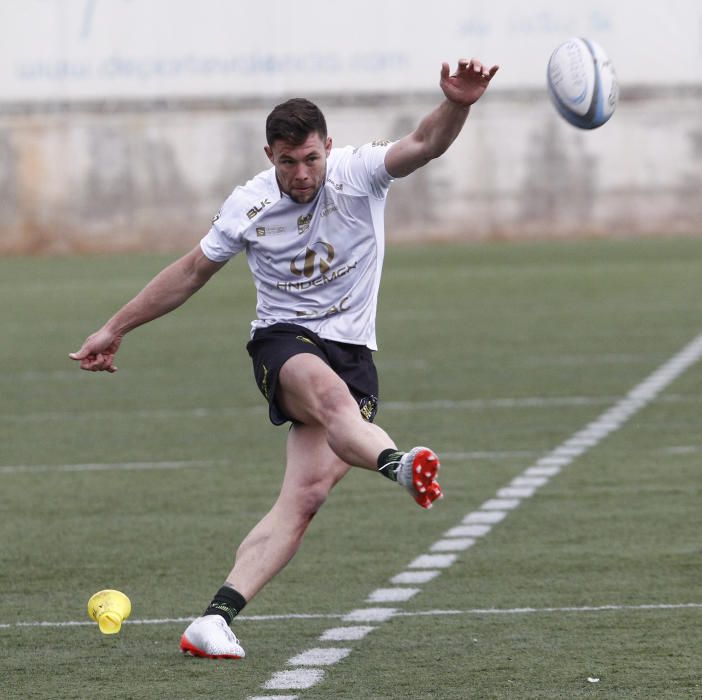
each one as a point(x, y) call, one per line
point(468, 83)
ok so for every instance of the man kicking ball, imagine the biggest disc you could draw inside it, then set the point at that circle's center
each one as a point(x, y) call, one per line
point(312, 230)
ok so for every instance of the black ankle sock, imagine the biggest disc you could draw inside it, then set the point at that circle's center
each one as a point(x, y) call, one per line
point(227, 602)
point(388, 461)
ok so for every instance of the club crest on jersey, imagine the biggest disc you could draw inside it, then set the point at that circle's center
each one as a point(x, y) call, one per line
point(303, 224)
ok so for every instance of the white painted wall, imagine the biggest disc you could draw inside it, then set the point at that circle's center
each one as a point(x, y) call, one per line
point(87, 49)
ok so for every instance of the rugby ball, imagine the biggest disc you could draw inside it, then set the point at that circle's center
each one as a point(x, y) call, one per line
point(582, 83)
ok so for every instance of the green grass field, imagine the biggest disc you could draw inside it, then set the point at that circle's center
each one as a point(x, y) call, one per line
point(494, 355)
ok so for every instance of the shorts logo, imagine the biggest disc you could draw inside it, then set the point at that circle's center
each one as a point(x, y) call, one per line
point(368, 407)
point(303, 224)
point(264, 380)
point(319, 256)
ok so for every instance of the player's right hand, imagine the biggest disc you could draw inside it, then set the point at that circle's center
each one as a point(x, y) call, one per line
point(97, 353)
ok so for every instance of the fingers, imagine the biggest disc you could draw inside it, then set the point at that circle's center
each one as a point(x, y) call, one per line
point(94, 362)
point(80, 354)
point(98, 363)
point(474, 66)
point(470, 64)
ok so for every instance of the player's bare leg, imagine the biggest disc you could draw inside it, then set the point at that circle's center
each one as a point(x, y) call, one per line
point(313, 393)
point(329, 435)
point(311, 472)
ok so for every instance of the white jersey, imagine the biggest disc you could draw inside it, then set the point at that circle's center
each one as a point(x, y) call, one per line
point(316, 264)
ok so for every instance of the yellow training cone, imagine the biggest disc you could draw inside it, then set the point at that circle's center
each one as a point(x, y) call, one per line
point(109, 608)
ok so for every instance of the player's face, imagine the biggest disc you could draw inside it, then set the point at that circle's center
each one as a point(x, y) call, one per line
point(300, 169)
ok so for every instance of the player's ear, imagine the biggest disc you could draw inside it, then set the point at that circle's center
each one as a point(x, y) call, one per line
point(269, 152)
point(328, 145)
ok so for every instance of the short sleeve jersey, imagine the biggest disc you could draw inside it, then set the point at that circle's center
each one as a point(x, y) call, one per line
point(316, 264)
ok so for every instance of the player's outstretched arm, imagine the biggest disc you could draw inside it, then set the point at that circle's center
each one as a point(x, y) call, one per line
point(167, 291)
point(439, 129)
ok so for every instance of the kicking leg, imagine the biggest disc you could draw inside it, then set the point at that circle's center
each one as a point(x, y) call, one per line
point(313, 393)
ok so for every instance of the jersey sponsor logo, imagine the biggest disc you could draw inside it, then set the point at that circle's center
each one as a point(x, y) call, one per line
point(310, 259)
point(343, 305)
point(380, 142)
point(329, 210)
point(269, 230)
point(313, 264)
point(336, 185)
point(319, 281)
point(257, 209)
point(303, 223)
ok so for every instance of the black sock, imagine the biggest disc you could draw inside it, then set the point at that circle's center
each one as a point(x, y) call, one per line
point(389, 462)
point(227, 602)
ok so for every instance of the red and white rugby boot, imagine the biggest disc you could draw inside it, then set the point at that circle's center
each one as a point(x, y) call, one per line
point(417, 473)
point(211, 637)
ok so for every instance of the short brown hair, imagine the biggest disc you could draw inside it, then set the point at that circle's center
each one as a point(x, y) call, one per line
point(293, 121)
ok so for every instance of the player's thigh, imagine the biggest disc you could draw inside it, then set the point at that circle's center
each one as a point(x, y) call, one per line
point(309, 390)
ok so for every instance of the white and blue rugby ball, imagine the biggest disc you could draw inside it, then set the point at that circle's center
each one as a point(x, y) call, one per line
point(582, 83)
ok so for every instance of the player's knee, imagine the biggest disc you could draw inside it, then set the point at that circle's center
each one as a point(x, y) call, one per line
point(336, 401)
point(309, 500)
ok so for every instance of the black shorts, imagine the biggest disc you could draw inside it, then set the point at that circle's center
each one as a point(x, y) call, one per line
point(272, 346)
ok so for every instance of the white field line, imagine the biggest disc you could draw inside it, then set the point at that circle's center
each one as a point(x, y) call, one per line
point(523, 402)
point(110, 466)
point(72, 375)
point(565, 609)
point(518, 482)
point(346, 634)
point(203, 464)
point(325, 656)
point(142, 413)
point(353, 634)
point(511, 496)
point(574, 609)
point(180, 620)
